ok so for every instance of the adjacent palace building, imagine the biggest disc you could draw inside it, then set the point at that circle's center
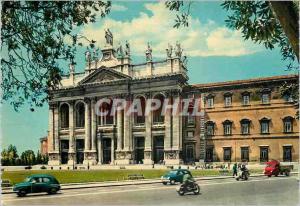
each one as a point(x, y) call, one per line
point(246, 120)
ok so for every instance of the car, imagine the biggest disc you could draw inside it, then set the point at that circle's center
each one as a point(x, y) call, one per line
point(275, 168)
point(174, 176)
point(37, 183)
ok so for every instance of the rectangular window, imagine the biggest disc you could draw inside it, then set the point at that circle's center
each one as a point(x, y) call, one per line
point(210, 102)
point(227, 154)
point(210, 129)
point(191, 119)
point(245, 128)
point(245, 154)
point(190, 134)
point(265, 127)
point(287, 126)
point(228, 101)
point(287, 153)
point(265, 98)
point(264, 154)
point(246, 99)
point(227, 129)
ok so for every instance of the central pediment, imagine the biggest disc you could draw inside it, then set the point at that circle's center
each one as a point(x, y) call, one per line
point(103, 75)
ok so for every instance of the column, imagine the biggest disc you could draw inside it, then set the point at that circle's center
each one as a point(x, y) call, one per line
point(168, 125)
point(54, 157)
point(71, 134)
point(51, 130)
point(87, 140)
point(112, 150)
point(176, 132)
point(148, 137)
point(94, 125)
point(119, 129)
point(56, 130)
point(99, 150)
point(127, 127)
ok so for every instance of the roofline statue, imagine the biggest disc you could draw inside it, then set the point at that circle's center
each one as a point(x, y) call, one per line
point(109, 37)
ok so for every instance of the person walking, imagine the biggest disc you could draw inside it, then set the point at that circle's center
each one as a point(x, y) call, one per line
point(234, 168)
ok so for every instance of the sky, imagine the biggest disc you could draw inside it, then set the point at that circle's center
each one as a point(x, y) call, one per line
point(215, 53)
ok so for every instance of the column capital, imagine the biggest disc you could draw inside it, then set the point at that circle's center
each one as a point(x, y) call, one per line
point(52, 105)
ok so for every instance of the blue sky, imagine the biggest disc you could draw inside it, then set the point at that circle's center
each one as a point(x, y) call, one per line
point(215, 53)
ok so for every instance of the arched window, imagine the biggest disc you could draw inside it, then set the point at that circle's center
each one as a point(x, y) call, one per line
point(108, 117)
point(288, 124)
point(79, 114)
point(64, 116)
point(158, 118)
point(139, 115)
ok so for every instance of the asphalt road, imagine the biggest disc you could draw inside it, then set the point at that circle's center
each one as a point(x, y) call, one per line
point(256, 191)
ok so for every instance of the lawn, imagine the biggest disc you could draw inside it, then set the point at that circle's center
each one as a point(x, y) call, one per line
point(69, 176)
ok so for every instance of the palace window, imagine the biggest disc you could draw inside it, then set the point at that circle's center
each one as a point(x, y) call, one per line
point(64, 116)
point(228, 99)
point(245, 98)
point(287, 153)
point(288, 124)
point(227, 127)
point(265, 125)
point(190, 119)
point(210, 128)
point(210, 101)
point(245, 154)
point(264, 154)
point(190, 134)
point(245, 126)
point(265, 96)
point(79, 114)
point(227, 154)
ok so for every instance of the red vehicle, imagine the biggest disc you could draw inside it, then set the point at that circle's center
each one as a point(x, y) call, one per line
point(274, 168)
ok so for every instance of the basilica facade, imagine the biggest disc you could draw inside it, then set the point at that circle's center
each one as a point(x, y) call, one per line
point(240, 120)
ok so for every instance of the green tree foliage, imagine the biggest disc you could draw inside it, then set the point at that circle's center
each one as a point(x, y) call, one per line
point(28, 158)
point(9, 156)
point(33, 37)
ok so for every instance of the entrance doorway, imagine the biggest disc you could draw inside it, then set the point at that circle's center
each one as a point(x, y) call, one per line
point(190, 153)
point(79, 151)
point(106, 144)
point(139, 146)
point(64, 149)
point(158, 152)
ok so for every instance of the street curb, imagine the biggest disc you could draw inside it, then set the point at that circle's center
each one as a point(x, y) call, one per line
point(75, 186)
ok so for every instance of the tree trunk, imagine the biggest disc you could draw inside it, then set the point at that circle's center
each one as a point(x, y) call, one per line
point(288, 18)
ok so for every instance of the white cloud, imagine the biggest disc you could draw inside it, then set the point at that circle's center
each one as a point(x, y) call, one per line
point(118, 7)
point(198, 39)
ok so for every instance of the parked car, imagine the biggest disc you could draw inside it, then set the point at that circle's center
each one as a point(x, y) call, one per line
point(275, 168)
point(174, 176)
point(37, 183)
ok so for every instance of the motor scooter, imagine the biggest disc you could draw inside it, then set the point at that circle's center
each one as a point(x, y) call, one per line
point(187, 187)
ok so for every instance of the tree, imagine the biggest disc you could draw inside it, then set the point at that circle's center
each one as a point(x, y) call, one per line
point(33, 37)
point(28, 158)
point(271, 23)
point(9, 156)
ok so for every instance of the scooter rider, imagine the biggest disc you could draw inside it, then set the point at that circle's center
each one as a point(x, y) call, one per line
point(188, 180)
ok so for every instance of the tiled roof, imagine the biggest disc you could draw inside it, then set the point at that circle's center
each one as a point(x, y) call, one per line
point(246, 81)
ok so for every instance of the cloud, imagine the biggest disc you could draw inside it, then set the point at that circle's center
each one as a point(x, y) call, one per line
point(156, 27)
point(118, 7)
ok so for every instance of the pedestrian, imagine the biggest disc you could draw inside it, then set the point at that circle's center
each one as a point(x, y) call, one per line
point(234, 168)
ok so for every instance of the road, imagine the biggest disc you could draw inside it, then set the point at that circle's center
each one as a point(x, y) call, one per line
point(256, 191)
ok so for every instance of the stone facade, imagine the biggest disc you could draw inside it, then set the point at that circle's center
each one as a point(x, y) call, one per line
point(78, 136)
